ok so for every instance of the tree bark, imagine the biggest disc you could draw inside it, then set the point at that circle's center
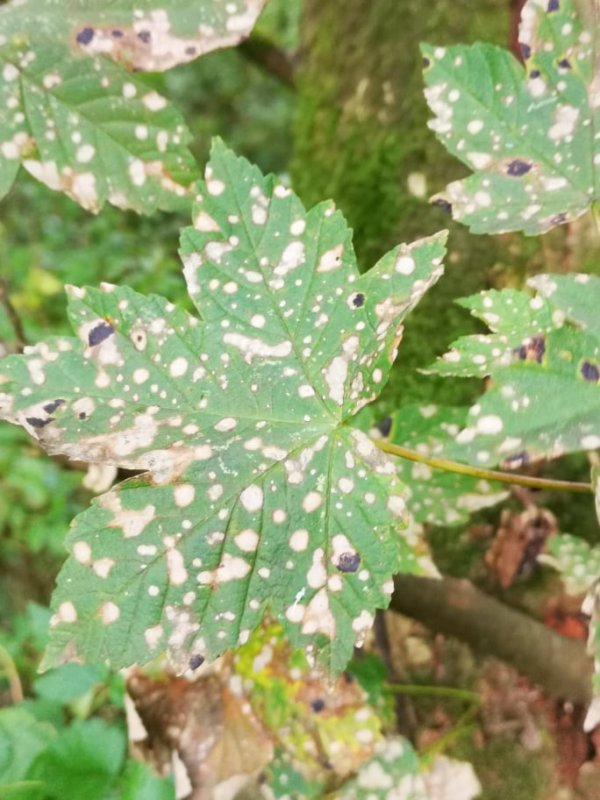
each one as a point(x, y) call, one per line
point(361, 138)
point(456, 608)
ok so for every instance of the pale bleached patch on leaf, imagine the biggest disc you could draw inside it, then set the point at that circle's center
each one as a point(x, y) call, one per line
point(527, 131)
point(249, 478)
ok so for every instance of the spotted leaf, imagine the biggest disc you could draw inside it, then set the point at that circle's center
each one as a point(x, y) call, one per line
point(75, 115)
point(579, 565)
point(576, 560)
point(528, 132)
point(257, 491)
point(435, 496)
point(543, 359)
point(392, 772)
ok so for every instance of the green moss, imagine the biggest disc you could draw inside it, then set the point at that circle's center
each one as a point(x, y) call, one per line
point(507, 770)
point(361, 131)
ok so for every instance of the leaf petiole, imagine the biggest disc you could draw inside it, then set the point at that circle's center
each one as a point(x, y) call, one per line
point(527, 481)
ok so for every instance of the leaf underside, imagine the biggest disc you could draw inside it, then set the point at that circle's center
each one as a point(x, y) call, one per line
point(256, 491)
point(527, 132)
point(543, 358)
point(76, 117)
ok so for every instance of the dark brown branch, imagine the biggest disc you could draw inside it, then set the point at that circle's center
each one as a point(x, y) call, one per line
point(273, 59)
point(456, 608)
point(12, 315)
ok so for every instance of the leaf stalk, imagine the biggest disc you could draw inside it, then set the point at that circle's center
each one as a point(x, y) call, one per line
point(481, 473)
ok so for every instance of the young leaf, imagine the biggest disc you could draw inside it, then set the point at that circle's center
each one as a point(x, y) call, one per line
point(528, 132)
point(392, 772)
point(257, 491)
point(544, 360)
point(577, 561)
point(75, 116)
point(22, 738)
point(437, 497)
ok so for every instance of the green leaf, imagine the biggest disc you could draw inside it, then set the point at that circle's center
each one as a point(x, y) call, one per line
point(140, 783)
point(82, 762)
point(544, 361)
point(577, 561)
point(22, 737)
point(75, 116)
point(437, 497)
point(394, 771)
point(591, 605)
point(69, 682)
point(257, 493)
point(527, 132)
point(285, 780)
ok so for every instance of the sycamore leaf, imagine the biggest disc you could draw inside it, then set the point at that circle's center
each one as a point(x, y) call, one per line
point(314, 719)
point(435, 496)
point(579, 565)
point(73, 114)
point(576, 560)
point(528, 132)
point(257, 492)
point(543, 357)
point(392, 772)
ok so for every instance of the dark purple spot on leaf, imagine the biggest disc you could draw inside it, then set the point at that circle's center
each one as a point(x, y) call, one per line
point(358, 300)
point(82, 415)
point(518, 167)
point(190, 51)
point(318, 705)
point(348, 562)
point(443, 204)
point(558, 219)
point(49, 408)
point(85, 36)
point(590, 372)
point(564, 63)
point(36, 422)
point(516, 461)
point(196, 661)
point(553, 5)
point(385, 426)
point(117, 33)
point(525, 50)
point(535, 73)
point(144, 36)
point(101, 332)
point(426, 62)
point(532, 350)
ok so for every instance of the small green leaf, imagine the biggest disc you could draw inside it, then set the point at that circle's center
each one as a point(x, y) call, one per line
point(22, 737)
point(78, 119)
point(285, 780)
point(140, 783)
point(577, 561)
point(393, 771)
point(67, 683)
point(528, 132)
point(544, 361)
point(258, 492)
point(82, 762)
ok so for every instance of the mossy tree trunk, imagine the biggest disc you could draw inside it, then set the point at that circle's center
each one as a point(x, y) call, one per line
point(362, 139)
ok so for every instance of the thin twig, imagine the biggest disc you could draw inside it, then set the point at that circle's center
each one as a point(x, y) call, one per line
point(483, 474)
point(421, 690)
point(7, 666)
point(271, 58)
point(12, 315)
